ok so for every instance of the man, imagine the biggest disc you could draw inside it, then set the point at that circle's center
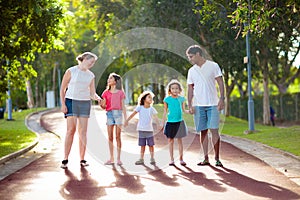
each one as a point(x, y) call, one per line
point(203, 100)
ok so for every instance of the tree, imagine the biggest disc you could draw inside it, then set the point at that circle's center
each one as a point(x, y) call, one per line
point(275, 25)
point(220, 40)
point(26, 27)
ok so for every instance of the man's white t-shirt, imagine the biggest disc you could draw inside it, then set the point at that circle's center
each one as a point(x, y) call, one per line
point(145, 117)
point(203, 79)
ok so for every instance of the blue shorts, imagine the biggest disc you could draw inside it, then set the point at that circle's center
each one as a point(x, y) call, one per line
point(146, 138)
point(114, 117)
point(78, 108)
point(206, 117)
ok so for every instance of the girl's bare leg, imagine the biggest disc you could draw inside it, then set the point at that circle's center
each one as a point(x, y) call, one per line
point(119, 143)
point(110, 131)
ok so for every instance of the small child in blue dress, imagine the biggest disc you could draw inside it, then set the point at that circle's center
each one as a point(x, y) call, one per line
point(175, 126)
point(145, 129)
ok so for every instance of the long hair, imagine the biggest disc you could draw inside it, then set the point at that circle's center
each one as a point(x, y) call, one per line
point(118, 80)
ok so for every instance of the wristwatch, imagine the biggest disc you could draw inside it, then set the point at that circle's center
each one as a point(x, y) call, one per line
point(223, 98)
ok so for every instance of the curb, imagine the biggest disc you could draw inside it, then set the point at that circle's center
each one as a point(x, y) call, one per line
point(285, 153)
point(16, 154)
point(53, 110)
point(13, 155)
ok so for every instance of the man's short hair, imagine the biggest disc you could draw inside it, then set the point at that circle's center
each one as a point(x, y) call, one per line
point(195, 49)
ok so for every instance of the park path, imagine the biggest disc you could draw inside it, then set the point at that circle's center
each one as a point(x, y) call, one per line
point(243, 177)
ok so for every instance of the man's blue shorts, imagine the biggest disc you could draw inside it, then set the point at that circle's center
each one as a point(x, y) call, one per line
point(206, 117)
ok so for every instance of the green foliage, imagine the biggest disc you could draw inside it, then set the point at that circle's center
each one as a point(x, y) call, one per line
point(14, 135)
point(27, 27)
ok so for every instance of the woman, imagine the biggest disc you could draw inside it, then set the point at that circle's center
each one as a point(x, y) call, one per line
point(77, 90)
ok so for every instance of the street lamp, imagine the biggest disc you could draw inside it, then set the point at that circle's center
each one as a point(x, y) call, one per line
point(250, 99)
point(9, 102)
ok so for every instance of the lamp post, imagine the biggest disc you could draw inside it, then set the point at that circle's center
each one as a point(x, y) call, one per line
point(9, 102)
point(250, 99)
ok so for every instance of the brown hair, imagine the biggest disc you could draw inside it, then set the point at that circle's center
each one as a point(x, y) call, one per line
point(118, 80)
point(142, 97)
point(195, 49)
point(172, 82)
point(86, 55)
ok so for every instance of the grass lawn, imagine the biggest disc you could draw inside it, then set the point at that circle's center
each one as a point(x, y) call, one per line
point(14, 135)
point(286, 139)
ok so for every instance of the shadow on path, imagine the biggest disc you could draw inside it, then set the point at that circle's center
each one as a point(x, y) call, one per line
point(82, 187)
point(131, 183)
point(252, 186)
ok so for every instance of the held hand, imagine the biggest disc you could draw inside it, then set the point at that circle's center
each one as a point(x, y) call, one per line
point(191, 110)
point(125, 123)
point(103, 103)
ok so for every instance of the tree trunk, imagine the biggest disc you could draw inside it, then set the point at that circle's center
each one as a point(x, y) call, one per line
point(54, 83)
point(38, 104)
point(30, 102)
point(266, 101)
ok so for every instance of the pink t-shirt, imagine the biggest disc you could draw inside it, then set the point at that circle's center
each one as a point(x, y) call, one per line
point(113, 100)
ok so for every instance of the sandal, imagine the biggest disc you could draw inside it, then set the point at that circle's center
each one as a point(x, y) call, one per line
point(183, 163)
point(83, 163)
point(172, 163)
point(218, 163)
point(119, 162)
point(204, 162)
point(64, 164)
point(140, 162)
point(109, 162)
point(152, 161)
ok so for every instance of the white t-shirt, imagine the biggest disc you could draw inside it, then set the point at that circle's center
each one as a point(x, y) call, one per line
point(145, 118)
point(79, 85)
point(203, 79)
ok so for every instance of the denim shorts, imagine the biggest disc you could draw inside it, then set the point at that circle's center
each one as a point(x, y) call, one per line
point(78, 108)
point(146, 138)
point(206, 117)
point(114, 117)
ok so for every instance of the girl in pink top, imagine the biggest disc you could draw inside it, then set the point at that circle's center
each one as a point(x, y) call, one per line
point(113, 103)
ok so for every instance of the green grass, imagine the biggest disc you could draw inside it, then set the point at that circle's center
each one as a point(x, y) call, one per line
point(286, 139)
point(14, 135)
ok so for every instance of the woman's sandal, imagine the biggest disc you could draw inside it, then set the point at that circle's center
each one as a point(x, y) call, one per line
point(204, 162)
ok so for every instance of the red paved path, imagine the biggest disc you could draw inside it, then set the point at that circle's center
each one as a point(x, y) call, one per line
point(243, 177)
